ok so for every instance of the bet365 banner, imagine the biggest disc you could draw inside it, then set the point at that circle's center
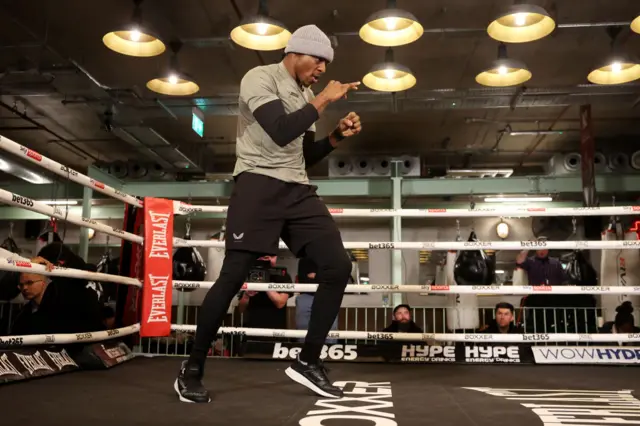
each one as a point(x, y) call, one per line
point(398, 352)
point(158, 268)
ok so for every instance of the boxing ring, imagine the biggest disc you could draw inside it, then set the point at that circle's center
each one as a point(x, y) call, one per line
point(428, 385)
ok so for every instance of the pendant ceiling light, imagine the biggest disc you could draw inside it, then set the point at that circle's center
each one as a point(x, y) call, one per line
point(260, 32)
point(522, 23)
point(391, 27)
point(389, 76)
point(174, 82)
point(504, 72)
point(635, 25)
point(133, 39)
point(618, 69)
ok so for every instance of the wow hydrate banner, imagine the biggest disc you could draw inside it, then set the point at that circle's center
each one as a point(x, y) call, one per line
point(623, 355)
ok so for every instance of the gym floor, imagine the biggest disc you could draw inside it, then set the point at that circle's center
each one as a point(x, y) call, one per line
point(258, 393)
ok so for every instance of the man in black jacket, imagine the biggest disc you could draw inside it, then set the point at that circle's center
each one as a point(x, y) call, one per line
point(56, 304)
point(402, 321)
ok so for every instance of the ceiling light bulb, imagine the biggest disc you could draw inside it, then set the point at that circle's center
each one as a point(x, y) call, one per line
point(616, 67)
point(135, 35)
point(390, 74)
point(391, 23)
point(502, 70)
point(521, 19)
point(263, 28)
point(173, 79)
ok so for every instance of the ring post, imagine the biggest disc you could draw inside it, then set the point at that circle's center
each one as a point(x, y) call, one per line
point(158, 268)
point(396, 230)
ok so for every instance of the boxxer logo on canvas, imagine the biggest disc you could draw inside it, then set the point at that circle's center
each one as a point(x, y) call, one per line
point(363, 403)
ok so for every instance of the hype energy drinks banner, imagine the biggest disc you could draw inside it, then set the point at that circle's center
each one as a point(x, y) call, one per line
point(623, 355)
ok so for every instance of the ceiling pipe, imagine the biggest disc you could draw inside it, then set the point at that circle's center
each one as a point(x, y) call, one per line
point(25, 117)
point(218, 41)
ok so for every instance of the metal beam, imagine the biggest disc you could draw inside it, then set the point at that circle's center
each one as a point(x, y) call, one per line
point(54, 191)
point(326, 188)
point(518, 185)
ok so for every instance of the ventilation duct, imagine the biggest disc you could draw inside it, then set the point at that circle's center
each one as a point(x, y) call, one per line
point(340, 167)
point(137, 171)
point(119, 170)
point(381, 166)
point(157, 171)
point(572, 162)
point(363, 166)
point(618, 161)
point(600, 162)
point(635, 160)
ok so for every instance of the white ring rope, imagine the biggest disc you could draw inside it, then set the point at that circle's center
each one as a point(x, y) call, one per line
point(66, 172)
point(423, 288)
point(441, 337)
point(183, 208)
point(63, 214)
point(454, 245)
point(65, 339)
point(57, 271)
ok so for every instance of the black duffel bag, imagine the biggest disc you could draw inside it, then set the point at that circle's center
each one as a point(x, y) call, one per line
point(579, 271)
point(474, 267)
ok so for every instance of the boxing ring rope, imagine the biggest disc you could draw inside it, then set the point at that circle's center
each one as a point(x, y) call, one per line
point(66, 172)
point(57, 212)
point(422, 288)
point(453, 245)
point(68, 338)
point(183, 208)
point(442, 337)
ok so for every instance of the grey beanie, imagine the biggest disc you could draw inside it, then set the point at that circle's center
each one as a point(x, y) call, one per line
point(310, 40)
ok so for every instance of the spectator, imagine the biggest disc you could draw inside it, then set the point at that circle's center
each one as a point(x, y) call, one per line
point(266, 309)
point(306, 274)
point(56, 304)
point(541, 269)
point(624, 321)
point(402, 321)
point(503, 321)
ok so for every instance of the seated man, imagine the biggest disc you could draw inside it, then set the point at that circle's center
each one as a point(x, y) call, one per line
point(56, 305)
point(265, 309)
point(402, 322)
point(307, 274)
point(503, 322)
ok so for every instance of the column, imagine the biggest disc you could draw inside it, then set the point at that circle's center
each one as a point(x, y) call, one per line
point(396, 229)
point(83, 250)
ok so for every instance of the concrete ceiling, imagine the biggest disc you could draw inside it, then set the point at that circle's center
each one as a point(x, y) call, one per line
point(95, 107)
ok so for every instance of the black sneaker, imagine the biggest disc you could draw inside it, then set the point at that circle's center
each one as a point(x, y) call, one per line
point(314, 377)
point(189, 386)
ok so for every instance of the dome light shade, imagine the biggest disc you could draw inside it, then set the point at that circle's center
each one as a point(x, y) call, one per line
point(522, 23)
point(173, 84)
point(504, 73)
point(617, 70)
point(635, 25)
point(261, 33)
point(134, 41)
point(389, 76)
point(390, 28)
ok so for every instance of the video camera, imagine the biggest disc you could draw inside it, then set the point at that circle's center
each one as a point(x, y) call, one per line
point(263, 272)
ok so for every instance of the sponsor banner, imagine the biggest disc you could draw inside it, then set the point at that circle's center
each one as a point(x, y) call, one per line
point(158, 268)
point(397, 353)
point(28, 363)
point(625, 355)
point(112, 353)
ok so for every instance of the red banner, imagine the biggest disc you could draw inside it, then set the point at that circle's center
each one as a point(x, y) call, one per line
point(158, 268)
